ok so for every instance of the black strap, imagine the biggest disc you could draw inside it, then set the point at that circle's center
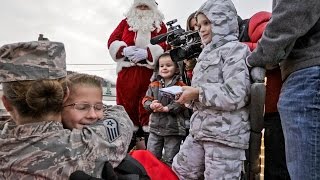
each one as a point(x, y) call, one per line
point(243, 30)
point(131, 169)
point(108, 172)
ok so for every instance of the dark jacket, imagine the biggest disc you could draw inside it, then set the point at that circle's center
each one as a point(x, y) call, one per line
point(292, 37)
point(165, 123)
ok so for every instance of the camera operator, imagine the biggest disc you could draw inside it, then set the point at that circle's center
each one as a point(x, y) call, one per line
point(187, 66)
point(185, 47)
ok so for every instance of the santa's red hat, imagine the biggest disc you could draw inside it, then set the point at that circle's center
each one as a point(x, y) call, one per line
point(152, 4)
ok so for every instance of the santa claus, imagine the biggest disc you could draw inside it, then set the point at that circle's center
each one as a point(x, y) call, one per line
point(129, 46)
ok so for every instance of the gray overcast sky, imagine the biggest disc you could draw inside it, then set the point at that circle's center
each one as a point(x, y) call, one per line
point(84, 26)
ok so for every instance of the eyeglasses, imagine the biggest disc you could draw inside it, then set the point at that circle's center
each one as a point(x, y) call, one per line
point(85, 107)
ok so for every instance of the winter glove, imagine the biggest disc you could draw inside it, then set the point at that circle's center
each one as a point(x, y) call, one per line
point(129, 51)
point(258, 74)
point(139, 55)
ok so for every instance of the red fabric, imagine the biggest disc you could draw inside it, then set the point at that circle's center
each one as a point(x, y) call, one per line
point(122, 33)
point(119, 53)
point(132, 85)
point(132, 82)
point(257, 24)
point(156, 169)
point(189, 74)
point(149, 57)
point(273, 88)
point(251, 45)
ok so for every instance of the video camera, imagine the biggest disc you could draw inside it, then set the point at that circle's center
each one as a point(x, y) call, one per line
point(186, 44)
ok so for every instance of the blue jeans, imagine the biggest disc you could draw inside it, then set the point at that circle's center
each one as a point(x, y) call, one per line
point(299, 108)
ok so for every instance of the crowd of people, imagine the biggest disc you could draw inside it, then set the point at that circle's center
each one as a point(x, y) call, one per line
point(59, 127)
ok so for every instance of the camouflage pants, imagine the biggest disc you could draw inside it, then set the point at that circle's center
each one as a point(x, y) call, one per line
point(208, 160)
point(170, 144)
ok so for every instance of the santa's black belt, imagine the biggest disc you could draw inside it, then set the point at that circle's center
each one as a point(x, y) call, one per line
point(140, 62)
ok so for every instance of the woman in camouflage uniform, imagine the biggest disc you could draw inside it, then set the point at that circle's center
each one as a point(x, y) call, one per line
point(34, 144)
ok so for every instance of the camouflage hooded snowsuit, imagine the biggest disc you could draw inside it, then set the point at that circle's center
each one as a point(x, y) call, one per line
point(219, 126)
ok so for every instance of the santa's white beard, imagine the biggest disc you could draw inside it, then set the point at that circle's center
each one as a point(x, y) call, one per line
point(143, 20)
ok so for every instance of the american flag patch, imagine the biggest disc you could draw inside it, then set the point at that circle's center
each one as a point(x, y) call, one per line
point(112, 128)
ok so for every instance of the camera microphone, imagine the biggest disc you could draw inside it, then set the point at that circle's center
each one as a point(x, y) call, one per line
point(158, 39)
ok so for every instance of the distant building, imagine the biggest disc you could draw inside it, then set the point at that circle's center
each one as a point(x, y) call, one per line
point(109, 93)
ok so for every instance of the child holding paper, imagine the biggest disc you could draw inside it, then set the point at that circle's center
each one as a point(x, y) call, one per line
point(219, 95)
point(167, 121)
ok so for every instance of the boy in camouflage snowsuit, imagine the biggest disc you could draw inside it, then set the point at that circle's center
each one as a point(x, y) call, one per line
point(219, 94)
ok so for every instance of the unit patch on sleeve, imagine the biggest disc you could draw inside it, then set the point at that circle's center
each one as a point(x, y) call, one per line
point(112, 128)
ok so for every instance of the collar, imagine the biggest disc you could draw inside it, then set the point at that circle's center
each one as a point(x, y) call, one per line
point(33, 129)
point(173, 81)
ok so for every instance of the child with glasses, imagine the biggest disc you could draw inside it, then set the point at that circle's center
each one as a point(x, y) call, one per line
point(84, 107)
point(167, 126)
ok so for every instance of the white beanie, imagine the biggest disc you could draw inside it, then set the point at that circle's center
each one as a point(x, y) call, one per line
point(152, 4)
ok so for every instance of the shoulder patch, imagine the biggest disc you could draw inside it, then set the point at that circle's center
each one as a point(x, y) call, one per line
point(112, 128)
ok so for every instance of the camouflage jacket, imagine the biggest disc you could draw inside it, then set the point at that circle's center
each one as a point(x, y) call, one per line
point(46, 150)
point(165, 123)
point(221, 75)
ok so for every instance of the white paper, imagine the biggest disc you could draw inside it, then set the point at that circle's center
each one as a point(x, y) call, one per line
point(172, 90)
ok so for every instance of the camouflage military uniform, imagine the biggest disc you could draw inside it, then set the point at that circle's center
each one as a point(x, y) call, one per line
point(219, 127)
point(57, 152)
point(32, 60)
point(45, 150)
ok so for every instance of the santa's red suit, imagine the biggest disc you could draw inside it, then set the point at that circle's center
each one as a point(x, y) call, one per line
point(134, 77)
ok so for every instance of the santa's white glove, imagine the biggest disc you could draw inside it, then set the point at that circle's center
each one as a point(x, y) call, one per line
point(139, 55)
point(129, 51)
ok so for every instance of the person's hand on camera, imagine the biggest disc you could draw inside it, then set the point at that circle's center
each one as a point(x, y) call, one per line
point(139, 55)
point(188, 94)
point(129, 51)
